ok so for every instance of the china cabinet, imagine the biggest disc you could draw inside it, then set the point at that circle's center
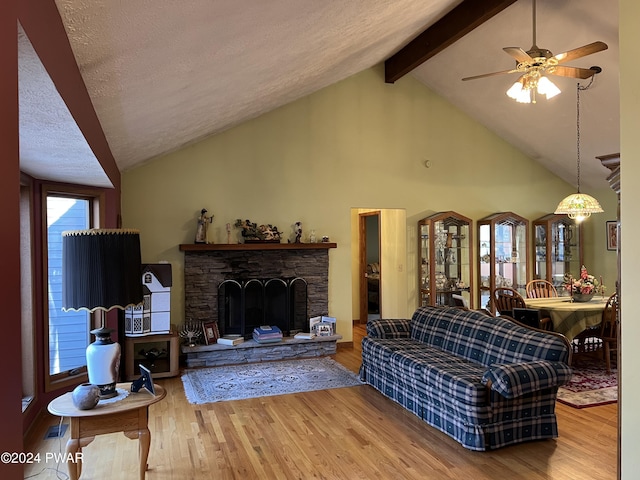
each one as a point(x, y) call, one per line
point(558, 248)
point(444, 257)
point(503, 254)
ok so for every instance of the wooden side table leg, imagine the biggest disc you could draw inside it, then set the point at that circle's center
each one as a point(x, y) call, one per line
point(144, 441)
point(144, 436)
point(75, 469)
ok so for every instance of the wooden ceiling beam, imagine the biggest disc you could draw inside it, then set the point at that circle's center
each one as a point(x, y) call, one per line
point(450, 28)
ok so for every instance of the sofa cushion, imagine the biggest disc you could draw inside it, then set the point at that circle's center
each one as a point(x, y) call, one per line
point(454, 378)
point(379, 350)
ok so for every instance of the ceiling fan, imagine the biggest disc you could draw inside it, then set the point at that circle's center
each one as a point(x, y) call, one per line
point(536, 62)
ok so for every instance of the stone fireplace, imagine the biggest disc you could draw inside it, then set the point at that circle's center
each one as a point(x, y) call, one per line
point(216, 277)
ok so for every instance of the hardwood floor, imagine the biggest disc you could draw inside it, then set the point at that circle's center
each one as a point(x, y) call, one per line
point(346, 433)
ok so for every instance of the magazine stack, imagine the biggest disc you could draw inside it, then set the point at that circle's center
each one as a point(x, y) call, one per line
point(267, 334)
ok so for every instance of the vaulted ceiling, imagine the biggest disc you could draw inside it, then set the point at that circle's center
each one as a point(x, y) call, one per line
point(165, 74)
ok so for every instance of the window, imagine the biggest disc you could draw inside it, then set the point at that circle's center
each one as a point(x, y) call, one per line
point(67, 333)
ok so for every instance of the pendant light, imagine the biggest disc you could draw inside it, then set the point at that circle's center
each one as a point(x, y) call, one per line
point(579, 205)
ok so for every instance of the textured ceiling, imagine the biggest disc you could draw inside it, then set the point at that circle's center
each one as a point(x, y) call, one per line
point(51, 144)
point(164, 74)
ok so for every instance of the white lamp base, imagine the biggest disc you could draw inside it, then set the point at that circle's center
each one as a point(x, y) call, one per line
point(103, 363)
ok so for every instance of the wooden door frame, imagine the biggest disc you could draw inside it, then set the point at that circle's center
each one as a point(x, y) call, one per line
point(362, 254)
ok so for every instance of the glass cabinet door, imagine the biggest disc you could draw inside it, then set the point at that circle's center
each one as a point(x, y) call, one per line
point(558, 241)
point(503, 254)
point(445, 269)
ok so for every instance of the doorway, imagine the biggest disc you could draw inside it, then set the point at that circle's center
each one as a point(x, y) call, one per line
point(370, 266)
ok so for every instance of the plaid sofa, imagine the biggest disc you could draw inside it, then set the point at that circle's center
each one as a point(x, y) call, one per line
point(485, 381)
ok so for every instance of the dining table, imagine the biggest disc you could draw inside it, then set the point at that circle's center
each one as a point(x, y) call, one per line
point(570, 317)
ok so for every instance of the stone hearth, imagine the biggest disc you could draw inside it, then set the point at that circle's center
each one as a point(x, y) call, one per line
point(251, 351)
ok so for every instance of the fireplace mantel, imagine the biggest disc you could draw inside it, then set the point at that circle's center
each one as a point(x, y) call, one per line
point(211, 247)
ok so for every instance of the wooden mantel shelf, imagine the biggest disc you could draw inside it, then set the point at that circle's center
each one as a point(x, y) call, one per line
point(207, 247)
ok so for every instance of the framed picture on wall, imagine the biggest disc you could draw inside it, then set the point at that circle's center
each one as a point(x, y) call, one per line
point(612, 235)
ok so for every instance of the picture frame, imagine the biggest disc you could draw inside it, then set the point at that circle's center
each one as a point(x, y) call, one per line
point(211, 333)
point(313, 321)
point(324, 329)
point(612, 234)
point(145, 381)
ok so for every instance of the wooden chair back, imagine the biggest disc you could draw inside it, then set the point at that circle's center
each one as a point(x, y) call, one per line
point(609, 329)
point(609, 325)
point(506, 299)
point(540, 289)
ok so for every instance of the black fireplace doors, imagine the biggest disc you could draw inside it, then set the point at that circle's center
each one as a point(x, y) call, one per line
point(246, 304)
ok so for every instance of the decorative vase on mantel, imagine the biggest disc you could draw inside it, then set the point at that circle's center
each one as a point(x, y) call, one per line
point(582, 297)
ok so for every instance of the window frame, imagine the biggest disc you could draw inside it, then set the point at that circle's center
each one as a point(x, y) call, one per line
point(28, 294)
point(97, 204)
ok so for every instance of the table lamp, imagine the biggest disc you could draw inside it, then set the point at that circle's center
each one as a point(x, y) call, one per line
point(101, 271)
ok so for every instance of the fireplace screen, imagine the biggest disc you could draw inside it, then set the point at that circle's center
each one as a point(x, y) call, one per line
point(246, 304)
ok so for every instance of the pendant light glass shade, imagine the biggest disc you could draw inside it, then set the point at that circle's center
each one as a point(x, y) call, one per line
point(578, 206)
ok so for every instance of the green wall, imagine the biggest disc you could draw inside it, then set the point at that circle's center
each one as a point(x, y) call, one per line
point(359, 143)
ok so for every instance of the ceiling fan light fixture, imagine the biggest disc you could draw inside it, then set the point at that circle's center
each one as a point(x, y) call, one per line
point(525, 88)
point(547, 88)
point(519, 93)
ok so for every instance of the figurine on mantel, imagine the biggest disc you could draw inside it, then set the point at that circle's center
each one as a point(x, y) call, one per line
point(297, 229)
point(203, 224)
point(251, 232)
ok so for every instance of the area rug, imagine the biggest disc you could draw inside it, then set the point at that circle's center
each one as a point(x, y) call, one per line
point(590, 386)
point(238, 382)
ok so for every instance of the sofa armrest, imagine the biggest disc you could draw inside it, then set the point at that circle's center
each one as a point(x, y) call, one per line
point(389, 328)
point(517, 379)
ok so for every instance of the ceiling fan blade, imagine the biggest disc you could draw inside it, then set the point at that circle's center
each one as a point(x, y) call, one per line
point(488, 75)
point(519, 54)
point(581, 52)
point(573, 72)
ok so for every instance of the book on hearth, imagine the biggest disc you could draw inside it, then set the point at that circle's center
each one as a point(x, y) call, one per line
point(305, 335)
point(231, 339)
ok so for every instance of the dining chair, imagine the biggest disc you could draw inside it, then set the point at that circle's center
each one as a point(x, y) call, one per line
point(600, 338)
point(540, 289)
point(459, 301)
point(609, 329)
point(504, 300)
point(532, 317)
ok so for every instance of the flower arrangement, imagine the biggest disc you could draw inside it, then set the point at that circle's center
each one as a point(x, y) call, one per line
point(585, 284)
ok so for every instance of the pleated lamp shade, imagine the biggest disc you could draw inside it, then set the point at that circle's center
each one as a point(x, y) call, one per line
point(101, 269)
